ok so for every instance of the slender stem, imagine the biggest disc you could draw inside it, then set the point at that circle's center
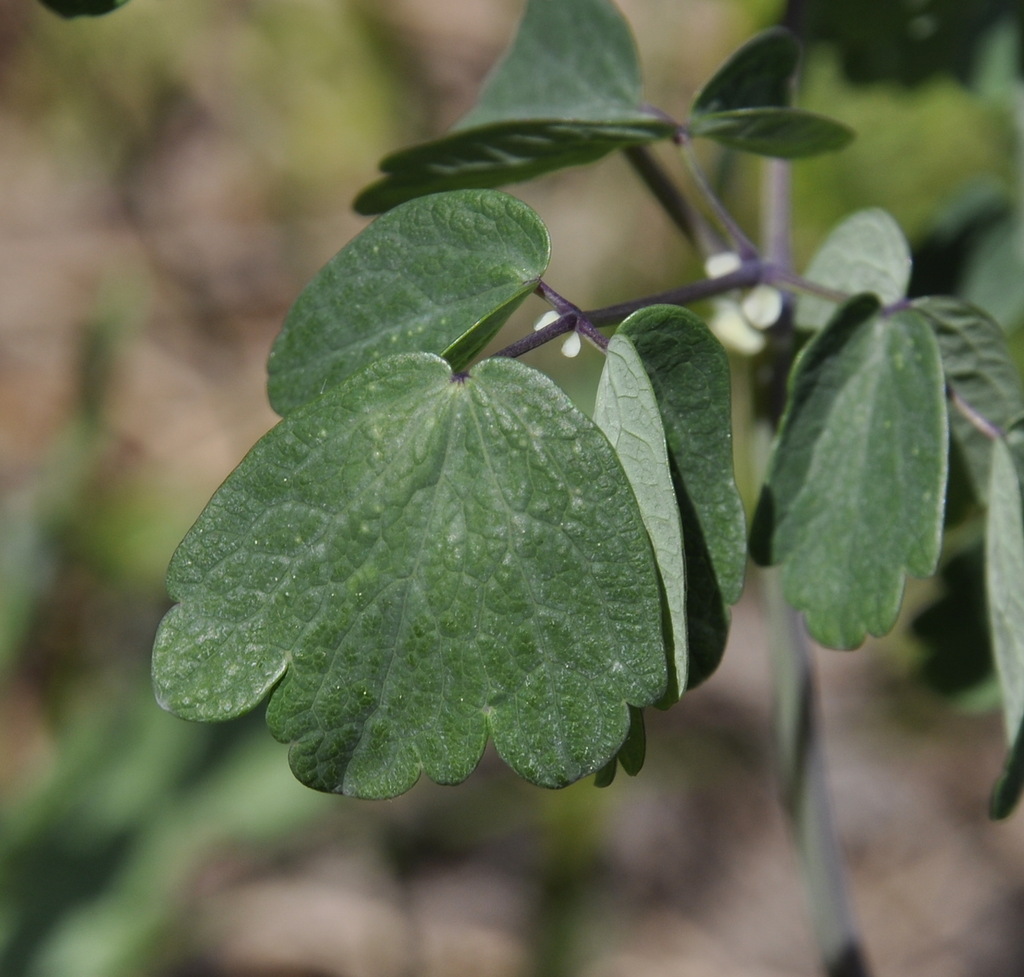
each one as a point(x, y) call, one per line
point(978, 420)
point(739, 239)
point(799, 736)
point(687, 218)
point(778, 274)
point(589, 331)
point(750, 273)
point(558, 302)
point(562, 325)
point(804, 789)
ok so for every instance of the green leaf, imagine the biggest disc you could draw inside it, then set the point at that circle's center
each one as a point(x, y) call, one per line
point(411, 562)
point(781, 132)
point(632, 755)
point(571, 59)
point(567, 92)
point(83, 8)
point(626, 410)
point(957, 662)
point(689, 372)
point(866, 252)
point(878, 40)
point(745, 105)
point(854, 494)
point(1004, 565)
point(439, 275)
point(981, 375)
point(758, 75)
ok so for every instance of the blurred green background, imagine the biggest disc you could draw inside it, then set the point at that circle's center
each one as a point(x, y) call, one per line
point(170, 176)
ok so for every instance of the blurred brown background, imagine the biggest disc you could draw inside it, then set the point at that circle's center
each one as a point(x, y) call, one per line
point(170, 176)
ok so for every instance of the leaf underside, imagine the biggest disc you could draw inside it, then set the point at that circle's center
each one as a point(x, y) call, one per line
point(626, 410)
point(440, 274)
point(855, 489)
point(567, 92)
point(866, 252)
point(689, 372)
point(1004, 571)
point(413, 562)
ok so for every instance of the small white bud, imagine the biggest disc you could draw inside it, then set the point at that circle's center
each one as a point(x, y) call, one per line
point(723, 263)
point(762, 306)
point(545, 320)
point(730, 325)
point(571, 346)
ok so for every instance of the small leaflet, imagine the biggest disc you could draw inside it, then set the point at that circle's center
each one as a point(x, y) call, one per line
point(626, 410)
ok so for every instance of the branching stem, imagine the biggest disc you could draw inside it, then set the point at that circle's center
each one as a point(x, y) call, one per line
point(688, 219)
point(741, 243)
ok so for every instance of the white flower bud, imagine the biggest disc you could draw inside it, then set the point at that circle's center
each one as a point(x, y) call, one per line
point(731, 327)
point(723, 263)
point(571, 346)
point(762, 306)
point(545, 320)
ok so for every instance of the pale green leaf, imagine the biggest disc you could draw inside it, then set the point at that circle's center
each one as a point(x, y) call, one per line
point(567, 92)
point(411, 562)
point(438, 275)
point(854, 495)
point(981, 375)
point(1004, 572)
point(689, 372)
point(626, 410)
point(866, 252)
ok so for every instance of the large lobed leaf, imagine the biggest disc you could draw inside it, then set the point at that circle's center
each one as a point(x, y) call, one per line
point(410, 562)
point(689, 373)
point(745, 104)
point(1004, 571)
point(567, 92)
point(440, 274)
point(626, 409)
point(854, 495)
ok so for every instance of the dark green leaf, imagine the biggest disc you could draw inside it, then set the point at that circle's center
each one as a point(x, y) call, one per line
point(993, 274)
point(866, 252)
point(632, 755)
point(781, 132)
point(689, 372)
point(413, 561)
point(1004, 565)
point(957, 662)
point(880, 40)
point(981, 375)
point(854, 494)
point(571, 59)
point(758, 75)
point(626, 410)
point(440, 274)
point(567, 92)
point(83, 8)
